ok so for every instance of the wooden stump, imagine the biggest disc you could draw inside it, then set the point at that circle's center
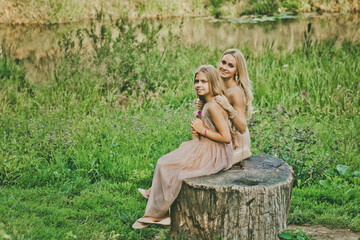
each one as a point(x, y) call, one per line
point(249, 201)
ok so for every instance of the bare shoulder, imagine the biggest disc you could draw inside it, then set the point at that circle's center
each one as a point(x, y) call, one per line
point(215, 108)
point(237, 96)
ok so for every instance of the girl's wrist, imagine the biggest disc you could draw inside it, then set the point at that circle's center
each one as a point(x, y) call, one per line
point(203, 132)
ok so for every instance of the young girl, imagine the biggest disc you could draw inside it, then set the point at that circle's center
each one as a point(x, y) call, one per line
point(210, 152)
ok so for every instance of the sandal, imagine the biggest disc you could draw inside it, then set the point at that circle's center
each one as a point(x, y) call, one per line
point(165, 221)
point(143, 193)
point(139, 225)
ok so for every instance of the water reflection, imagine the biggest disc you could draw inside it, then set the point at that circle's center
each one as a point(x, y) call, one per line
point(38, 45)
point(284, 33)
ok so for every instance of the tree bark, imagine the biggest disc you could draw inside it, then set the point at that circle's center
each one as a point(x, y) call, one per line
point(249, 201)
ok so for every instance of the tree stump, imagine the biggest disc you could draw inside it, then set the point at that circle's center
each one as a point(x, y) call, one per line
point(249, 201)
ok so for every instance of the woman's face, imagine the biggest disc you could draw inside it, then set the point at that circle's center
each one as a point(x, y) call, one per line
point(227, 66)
point(201, 84)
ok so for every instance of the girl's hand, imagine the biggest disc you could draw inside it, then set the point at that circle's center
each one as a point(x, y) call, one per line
point(193, 132)
point(198, 126)
point(223, 102)
point(197, 114)
point(199, 104)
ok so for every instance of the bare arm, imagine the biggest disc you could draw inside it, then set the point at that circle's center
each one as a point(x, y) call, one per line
point(235, 107)
point(239, 105)
point(218, 119)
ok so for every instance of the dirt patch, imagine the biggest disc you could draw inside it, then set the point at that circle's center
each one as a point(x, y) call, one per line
point(323, 233)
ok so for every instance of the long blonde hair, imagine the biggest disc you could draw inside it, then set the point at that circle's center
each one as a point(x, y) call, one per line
point(216, 85)
point(242, 78)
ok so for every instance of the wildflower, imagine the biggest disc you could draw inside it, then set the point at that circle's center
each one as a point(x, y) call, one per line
point(306, 93)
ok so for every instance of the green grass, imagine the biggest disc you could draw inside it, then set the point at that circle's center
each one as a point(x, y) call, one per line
point(336, 206)
point(78, 210)
point(75, 147)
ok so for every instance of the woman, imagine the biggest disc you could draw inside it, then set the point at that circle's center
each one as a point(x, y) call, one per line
point(233, 72)
point(210, 152)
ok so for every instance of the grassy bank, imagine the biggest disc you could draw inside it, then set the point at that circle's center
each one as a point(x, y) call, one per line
point(75, 147)
point(52, 12)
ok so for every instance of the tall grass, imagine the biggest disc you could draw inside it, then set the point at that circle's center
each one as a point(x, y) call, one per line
point(56, 11)
point(81, 142)
point(50, 12)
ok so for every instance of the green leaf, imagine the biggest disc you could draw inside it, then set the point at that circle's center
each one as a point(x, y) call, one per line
point(342, 169)
point(285, 235)
point(357, 174)
point(323, 183)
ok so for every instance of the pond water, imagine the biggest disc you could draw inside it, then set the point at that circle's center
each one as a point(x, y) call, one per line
point(38, 45)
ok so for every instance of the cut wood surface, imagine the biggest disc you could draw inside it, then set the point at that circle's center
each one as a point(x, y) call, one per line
point(249, 201)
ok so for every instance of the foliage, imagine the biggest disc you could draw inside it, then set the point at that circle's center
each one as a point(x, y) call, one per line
point(293, 234)
point(264, 6)
point(334, 202)
point(275, 132)
point(215, 8)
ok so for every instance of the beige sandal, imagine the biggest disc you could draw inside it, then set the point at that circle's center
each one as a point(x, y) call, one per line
point(139, 225)
point(165, 221)
point(143, 193)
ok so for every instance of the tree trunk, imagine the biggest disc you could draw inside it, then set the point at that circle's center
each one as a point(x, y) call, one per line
point(249, 201)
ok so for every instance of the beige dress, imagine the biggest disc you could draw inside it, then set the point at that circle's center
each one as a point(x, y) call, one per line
point(198, 157)
point(241, 142)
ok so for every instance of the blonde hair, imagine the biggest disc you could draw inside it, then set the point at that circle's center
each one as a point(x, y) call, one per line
point(216, 85)
point(242, 78)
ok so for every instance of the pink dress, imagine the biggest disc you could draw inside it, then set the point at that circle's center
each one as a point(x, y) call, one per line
point(198, 157)
point(241, 142)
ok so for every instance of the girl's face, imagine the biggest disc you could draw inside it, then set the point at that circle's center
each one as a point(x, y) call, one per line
point(227, 66)
point(201, 84)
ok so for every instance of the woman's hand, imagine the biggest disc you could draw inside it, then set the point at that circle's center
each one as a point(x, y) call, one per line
point(199, 104)
point(198, 126)
point(224, 102)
